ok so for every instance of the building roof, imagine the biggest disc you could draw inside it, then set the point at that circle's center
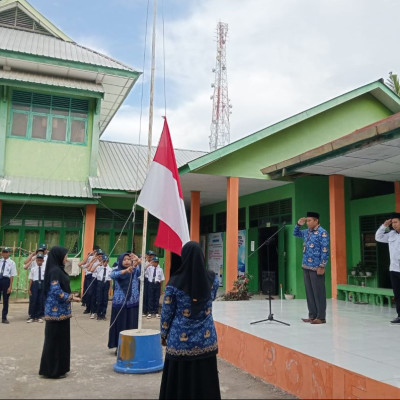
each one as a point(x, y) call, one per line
point(372, 152)
point(122, 166)
point(20, 14)
point(377, 89)
point(27, 77)
point(32, 43)
point(44, 187)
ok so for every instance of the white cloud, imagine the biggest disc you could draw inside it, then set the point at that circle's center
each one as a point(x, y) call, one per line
point(282, 58)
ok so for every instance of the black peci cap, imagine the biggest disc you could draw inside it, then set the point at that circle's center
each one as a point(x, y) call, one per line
point(312, 214)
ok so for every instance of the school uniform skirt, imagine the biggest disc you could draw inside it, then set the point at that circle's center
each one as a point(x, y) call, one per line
point(190, 378)
point(127, 319)
point(56, 349)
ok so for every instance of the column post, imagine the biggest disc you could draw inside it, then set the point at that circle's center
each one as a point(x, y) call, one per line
point(195, 216)
point(88, 237)
point(338, 232)
point(232, 220)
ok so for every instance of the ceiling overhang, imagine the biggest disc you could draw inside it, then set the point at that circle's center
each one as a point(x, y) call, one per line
point(372, 152)
point(115, 87)
point(213, 188)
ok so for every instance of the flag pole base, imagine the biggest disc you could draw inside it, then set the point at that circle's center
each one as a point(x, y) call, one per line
point(139, 352)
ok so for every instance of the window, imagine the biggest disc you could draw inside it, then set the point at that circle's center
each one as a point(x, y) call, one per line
point(274, 213)
point(48, 117)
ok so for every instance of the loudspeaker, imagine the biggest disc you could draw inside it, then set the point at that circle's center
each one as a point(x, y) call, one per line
point(268, 284)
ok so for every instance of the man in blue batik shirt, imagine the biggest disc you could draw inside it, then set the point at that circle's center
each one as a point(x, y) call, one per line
point(315, 258)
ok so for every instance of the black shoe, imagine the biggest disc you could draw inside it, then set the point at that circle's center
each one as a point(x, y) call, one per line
point(5, 321)
point(86, 312)
point(99, 318)
point(116, 352)
point(395, 321)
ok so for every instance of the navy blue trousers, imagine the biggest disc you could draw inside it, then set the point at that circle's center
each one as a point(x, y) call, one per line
point(90, 297)
point(102, 297)
point(154, 297)
point(36, 300)
point(146, 296)
point(4, 285)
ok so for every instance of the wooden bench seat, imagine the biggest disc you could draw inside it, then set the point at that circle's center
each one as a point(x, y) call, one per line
point(371, 295)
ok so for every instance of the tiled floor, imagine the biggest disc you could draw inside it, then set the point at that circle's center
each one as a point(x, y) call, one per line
point(356, 337)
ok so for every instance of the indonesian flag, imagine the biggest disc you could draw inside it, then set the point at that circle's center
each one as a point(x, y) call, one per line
point(162, 196)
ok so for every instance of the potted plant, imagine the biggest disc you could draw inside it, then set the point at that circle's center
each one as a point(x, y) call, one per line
point(289, 295)
point(240, 288)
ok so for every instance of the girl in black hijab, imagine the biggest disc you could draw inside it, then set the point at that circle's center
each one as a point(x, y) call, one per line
point(188, 332)
point(55, 360)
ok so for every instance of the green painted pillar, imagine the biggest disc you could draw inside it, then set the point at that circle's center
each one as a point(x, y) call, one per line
point(3, 127)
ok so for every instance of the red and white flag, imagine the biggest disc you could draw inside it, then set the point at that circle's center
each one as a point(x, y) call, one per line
point(162, 196)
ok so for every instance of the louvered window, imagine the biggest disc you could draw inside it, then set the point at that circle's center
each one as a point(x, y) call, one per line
point(29, 226)
point(114, 231)
point(16, 18)
point(51, 118)
point(273, 213)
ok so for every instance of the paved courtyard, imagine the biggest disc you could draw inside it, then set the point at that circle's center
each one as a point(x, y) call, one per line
point(92, 374)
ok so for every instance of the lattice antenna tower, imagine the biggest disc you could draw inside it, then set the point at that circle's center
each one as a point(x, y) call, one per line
point(220, 127)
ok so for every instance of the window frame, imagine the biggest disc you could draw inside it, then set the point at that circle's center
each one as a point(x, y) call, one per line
point(50, 116)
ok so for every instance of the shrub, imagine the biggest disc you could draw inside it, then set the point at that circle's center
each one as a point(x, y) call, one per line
point(240, 288)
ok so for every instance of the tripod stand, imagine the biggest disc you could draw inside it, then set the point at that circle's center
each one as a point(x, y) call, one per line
point(270, 316)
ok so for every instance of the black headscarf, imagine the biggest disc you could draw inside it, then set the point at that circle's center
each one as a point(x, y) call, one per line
point(192, 276)
point(176, 262)
point(55, 269)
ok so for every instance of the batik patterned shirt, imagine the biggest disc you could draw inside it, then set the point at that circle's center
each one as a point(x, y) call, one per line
point(58, 303)
point(187, 335)
point(315, 246)
point(119, 297)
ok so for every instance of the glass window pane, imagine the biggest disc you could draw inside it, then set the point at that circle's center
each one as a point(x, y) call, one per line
point(19, 124)
point(78, 114)
point(10, 238)
point(23, 107)
point(102, 239)
point(78, 131)
point(59, 129)
point(52, 238)
point(121, 244)
point(31, 240)
point(72, 242)
point(60, 112)
point(158, 250)
point(41, 109)
point(137, 243)
point(39, 127)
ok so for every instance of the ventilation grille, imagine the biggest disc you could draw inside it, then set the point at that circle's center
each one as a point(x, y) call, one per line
point(45, 100)
point(16, 18)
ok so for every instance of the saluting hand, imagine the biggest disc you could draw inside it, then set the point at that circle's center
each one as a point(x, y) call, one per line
point(301, 221)
point(387, 222)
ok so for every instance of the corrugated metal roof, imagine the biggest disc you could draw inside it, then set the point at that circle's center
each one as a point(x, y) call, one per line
point(44, 187)
point(51, 80)
point(48, 46)
point(122, 166)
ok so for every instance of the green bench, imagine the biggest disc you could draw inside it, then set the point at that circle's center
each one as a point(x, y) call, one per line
point(371, 295)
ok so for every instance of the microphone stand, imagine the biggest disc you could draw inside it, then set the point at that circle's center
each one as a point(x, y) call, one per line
point(270, 316)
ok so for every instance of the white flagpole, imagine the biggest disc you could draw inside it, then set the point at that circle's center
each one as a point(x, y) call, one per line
point(149, 143)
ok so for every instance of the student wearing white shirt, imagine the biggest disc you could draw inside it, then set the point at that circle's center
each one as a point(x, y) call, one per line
point(36, 294)
point(103, 277)
point(392, 237)
point(92, 288)
point(88, 276)
point(155, 276)
point(8, 270)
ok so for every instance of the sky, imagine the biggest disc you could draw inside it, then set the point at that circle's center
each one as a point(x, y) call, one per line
point(283, 57)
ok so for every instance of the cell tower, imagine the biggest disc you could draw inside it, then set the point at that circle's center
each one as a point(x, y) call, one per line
point(220, 128)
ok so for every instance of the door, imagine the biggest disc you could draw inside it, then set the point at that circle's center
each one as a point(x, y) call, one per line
point(268, 260)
